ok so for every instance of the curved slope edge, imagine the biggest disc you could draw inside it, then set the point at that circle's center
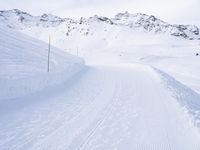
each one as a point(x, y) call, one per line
point(186, 97)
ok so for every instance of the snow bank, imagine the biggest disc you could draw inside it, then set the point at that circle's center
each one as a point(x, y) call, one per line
point(12, 88)
point(186, 97)
point(23, 65)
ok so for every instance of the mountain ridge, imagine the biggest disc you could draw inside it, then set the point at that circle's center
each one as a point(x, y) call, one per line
point(21, 20)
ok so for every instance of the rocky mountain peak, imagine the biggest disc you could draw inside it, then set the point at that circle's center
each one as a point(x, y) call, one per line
point(20, 20)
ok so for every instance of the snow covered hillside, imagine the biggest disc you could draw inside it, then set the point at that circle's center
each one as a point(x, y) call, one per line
point(23, 63)
point(84, 27)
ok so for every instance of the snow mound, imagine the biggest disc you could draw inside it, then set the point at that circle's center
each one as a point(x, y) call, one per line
point(23, 63)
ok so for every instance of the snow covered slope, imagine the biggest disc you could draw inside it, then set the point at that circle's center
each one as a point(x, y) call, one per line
point(23, 63)
point(96, 35)
point(153, 24)
point(68, 27)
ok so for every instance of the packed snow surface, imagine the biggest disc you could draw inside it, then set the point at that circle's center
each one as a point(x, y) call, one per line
point(104, 107)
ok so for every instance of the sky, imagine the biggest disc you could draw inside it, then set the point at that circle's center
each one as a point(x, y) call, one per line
point(173, 11)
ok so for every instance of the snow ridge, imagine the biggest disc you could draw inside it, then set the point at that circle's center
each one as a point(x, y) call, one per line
point(186, 97)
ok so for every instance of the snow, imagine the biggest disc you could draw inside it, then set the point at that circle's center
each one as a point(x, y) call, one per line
point(147, 23)
point(137, 90)
point(24, 65)
point(106, 107)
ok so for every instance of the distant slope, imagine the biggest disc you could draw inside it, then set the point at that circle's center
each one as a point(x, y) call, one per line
point(23, 63)
point(21, 20)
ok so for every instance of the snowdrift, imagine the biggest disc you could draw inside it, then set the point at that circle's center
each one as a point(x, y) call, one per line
point(23, 65)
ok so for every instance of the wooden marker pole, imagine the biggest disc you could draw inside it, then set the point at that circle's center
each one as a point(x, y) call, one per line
point(77, 51)
point(49, 51)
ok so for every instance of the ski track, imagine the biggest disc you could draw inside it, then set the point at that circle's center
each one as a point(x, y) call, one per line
point(108, 107)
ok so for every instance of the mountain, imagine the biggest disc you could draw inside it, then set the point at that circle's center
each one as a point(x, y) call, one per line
point(20, 20)
point(153, 24)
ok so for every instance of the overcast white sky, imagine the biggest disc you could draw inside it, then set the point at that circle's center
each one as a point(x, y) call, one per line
point(175, 11)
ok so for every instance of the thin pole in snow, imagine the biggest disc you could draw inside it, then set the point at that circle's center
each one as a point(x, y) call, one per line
point(49, 50)
point(77, 51)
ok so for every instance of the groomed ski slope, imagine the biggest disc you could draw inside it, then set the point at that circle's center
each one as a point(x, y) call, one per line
point(102, 107)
